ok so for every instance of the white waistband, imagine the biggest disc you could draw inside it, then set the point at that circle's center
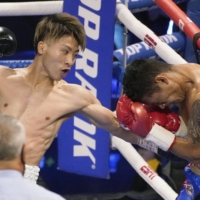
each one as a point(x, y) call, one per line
point(31, 173)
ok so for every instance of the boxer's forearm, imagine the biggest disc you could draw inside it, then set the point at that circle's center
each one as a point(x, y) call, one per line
point(126, 135)
point(186, 149)
point(189, 149)
point(170, 156)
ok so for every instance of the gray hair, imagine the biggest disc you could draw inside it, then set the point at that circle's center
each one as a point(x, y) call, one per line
point(12, 137)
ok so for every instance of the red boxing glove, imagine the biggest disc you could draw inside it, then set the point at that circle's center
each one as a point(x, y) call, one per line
point(169, 121)
point(174, 122)
point(153, 124)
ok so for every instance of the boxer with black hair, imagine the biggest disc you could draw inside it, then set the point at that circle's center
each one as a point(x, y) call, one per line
point(155, 84)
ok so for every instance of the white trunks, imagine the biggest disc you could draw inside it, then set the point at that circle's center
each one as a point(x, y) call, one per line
point(31, 173)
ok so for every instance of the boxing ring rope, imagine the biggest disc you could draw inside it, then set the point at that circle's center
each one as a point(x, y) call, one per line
point(31, 8)
point(179, 18)
point(52, 7)
point(146, 35)
point(140, 50)
point(143, 169)
point(142, 32)
point(139, 6)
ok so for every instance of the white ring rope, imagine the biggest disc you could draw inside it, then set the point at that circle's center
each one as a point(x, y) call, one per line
point(138, 163)
point(31, 8)
point(141, 31)
point(46, 8)
point(143, 169)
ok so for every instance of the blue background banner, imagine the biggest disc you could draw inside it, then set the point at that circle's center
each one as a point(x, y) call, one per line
point(82, 147)
point(140, 50)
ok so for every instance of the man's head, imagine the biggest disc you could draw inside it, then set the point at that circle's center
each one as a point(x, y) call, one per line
point(54, 27)
point(140, 78)
point(12, 138)
point(58, 39)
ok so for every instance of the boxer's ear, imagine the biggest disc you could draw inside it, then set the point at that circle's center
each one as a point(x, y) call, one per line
point(40, 47)
point(161, 79)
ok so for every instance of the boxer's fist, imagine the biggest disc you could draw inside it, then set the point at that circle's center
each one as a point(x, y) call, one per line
point(173, 122)
point(133, 116)
point(165, 118)
point(146, 122)
point(140, 118)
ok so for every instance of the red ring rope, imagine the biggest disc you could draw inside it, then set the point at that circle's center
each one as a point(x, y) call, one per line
point(179, 18)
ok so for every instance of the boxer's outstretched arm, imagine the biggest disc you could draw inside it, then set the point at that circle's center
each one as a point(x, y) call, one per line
point(190, 148)
point(105, 119)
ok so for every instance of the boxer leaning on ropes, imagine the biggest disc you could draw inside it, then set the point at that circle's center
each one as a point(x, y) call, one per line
point(150, 88)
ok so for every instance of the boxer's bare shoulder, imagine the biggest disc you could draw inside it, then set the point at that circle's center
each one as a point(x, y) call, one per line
point(5, 71)
point(78, 92)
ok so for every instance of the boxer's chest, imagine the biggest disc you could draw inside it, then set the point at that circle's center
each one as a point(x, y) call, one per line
point(35, 107)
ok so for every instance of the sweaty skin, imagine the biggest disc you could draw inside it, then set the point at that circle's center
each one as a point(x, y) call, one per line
point(42, 101)
point(183, 88)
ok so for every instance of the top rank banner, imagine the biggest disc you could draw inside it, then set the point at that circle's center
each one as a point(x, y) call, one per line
point(82, 147)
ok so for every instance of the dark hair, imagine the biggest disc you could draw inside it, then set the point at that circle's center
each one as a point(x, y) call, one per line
point(58, 25)
point(139, 78)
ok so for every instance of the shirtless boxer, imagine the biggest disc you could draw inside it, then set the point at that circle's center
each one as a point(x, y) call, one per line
point(41, 100)
point(160, 85)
